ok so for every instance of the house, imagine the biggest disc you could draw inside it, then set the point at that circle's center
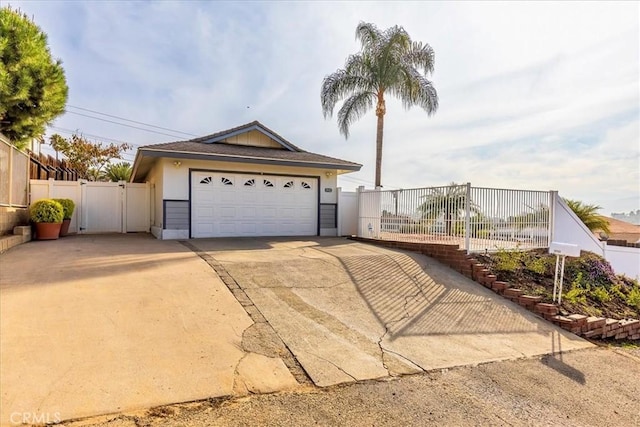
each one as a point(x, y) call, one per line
point(620, 231)
point(245, 181)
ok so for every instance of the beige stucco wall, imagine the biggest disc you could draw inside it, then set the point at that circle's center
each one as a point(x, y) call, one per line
point(176, 179)
point(171, 180)
point(155, 177)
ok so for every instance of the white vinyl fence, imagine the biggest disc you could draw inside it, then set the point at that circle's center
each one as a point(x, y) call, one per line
point(476, 219)
point(101, 207)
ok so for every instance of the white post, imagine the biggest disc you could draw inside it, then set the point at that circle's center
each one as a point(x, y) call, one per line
point(123, 206)
point(561, 281)
point(338, 211)
point(555, 278)
point(467, 219)
point(553, 195)
point(359, 231)
point(82, 209)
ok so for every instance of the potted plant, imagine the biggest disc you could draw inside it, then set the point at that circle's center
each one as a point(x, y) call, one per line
point(68, 205)
point(47, 214)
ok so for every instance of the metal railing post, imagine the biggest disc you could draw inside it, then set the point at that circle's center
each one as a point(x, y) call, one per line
point(467, 219)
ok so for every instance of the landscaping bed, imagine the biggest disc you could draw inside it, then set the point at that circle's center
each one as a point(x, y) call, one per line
point(591, 288)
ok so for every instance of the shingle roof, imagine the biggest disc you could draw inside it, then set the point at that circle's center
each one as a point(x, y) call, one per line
point(231, 150)
point(212, 146)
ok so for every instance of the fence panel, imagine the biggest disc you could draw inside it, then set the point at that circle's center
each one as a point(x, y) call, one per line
point(476, 219)
point(14, 168)
point(101, 207)
point(507, 219)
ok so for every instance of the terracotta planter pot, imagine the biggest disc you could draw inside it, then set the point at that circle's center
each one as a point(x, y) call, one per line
point(64, 230)
point(48, 230)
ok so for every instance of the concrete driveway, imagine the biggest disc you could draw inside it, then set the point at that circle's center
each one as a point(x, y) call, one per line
point(100, 324)
point(351, 311)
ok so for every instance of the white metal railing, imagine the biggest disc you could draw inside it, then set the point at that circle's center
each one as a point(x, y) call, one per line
point(14, 175)
point(477, 219)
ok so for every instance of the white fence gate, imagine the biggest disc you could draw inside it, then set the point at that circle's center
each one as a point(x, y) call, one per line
point(101, 207)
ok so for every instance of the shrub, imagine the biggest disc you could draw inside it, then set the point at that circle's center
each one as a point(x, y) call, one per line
point(68, 205)
point(46, 210)
point(579, 283)
point(600, 294)
point(508, 260)
point(596, 269)
point(633, 298)
point(575, 296)
point(535, 264)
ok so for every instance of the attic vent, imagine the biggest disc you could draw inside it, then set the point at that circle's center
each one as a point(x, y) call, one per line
point(305, 185)
point(206, 180)
point(250, 183)
point(226, 181)
point(289, 184)
point(268, 183)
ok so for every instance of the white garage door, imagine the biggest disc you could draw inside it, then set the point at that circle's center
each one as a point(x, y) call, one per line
point(230, 204)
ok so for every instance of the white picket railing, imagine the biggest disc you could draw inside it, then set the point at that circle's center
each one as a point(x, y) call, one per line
point(477, 219)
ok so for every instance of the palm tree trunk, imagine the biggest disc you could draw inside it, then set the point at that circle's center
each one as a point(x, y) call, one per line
point(380, 110)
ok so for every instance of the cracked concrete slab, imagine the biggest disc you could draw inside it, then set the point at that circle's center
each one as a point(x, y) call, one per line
point(350, 311)
point(122, 322)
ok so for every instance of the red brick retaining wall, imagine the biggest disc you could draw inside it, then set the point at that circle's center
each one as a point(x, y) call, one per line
point(459, 260)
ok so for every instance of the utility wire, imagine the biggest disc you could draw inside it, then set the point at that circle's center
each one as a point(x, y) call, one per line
point(78, 131)
point(122, 124)
point(130, 121)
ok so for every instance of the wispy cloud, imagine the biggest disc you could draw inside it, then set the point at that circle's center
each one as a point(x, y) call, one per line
point(532, 95)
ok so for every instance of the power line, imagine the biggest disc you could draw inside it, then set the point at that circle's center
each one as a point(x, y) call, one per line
point(78, 131)
point(122, 124)
point(130, 121)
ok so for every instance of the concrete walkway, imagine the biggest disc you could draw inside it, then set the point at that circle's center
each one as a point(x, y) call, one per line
point(350, 311)
point(100, 324)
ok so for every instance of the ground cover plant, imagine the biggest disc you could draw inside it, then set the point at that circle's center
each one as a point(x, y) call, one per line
point(590, 285)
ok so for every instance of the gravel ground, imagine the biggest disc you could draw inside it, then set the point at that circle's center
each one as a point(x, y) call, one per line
point(596, 387)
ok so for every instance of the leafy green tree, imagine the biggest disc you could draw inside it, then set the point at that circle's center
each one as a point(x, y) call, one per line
point(85, 157)
point(33, 88)
point(389, 62)
point(118, 171)
point(588, 214)
point(449, 203)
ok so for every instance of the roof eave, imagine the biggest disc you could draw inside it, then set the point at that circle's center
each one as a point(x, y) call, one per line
point(354, 167)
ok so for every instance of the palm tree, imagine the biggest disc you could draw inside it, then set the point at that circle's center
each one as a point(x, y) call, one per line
point(588, 214)
point(450, 203)
point(118, 171)
point(388, 62)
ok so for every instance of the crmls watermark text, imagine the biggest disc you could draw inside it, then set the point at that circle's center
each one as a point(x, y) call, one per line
point(35, 418)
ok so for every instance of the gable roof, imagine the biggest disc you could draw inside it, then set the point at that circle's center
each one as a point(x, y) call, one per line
point(215, 147)
point(254, 125)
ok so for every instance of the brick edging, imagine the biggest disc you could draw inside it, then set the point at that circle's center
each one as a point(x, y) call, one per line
point(459, 260)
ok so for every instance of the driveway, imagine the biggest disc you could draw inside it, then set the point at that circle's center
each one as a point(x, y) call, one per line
point(100, 324)
point(351, 311)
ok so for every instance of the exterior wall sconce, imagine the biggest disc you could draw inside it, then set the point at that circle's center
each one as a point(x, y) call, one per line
point(329, 174)
point(177, 163)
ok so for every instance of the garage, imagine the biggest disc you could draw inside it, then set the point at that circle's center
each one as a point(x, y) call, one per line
point(240, 182)
point(228, 204)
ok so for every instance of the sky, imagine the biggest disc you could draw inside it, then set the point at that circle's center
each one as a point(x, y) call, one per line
point(541, 96)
